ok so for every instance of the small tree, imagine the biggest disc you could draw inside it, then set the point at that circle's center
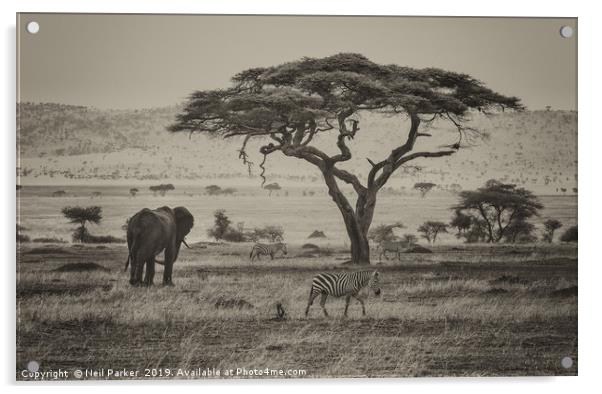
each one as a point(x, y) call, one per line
point(550, 226)
point(213, 190)
point(81, 216)
point(424, 187)
point(271, 187)
point(134, 191)
point(461, 222)
point(221, 226)
point(498, 206)
point(384, 232)
point(162, 189)
point(570, 235)
point(520, 231)
point(431, 229)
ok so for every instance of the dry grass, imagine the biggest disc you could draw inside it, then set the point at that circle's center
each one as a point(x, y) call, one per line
point(477, 311)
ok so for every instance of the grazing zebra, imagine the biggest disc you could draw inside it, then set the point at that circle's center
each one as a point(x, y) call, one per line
point(267, 249)
point(347, 284)
point(396, 247)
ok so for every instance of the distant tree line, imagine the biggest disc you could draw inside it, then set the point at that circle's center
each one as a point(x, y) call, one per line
point(495, 213)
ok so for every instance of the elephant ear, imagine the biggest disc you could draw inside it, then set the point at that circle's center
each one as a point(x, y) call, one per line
point(184, 222)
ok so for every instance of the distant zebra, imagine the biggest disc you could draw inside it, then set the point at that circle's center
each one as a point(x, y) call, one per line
point(347, 284)
point(267, 250)
point(396, 247)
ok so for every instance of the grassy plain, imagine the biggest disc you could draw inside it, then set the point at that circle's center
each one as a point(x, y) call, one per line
point(475, 310)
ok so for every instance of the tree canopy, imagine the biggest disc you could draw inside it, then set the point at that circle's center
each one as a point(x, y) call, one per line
point(430, 229)
point(292, 102)
point(81, 215)
point(501, 208)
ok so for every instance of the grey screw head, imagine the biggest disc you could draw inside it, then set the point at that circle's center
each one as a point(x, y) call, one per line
point(566, 362)
point(566, 32)
point(33, 366)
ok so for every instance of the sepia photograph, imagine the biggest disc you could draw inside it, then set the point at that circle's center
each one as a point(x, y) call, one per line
point(295, 197)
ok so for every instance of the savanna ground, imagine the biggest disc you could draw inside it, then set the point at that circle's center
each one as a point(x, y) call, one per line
point(464, 310)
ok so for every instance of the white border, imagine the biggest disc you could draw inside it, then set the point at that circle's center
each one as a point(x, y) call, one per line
point(590, 138)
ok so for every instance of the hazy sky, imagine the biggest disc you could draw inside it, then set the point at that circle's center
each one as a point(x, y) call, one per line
point(135, 61)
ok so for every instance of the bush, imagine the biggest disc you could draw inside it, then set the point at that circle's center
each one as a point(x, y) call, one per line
point(82, 235)
point(234, 235)
point(270, 233)
point(22, 238)
point(221, 226)
point(103, 239)
point(570, 235)
point(317, 234)
point(222, 230)
point(50, 240)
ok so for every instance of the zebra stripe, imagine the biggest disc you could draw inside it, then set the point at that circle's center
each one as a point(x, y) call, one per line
point(267, 250)
point(347, 284)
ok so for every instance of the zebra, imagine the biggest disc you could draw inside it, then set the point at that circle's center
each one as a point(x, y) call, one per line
point(396, 247)
point(348, 284)
point(267, 249)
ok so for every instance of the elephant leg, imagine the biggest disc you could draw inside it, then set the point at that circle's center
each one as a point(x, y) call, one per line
point(167, 271)
point(150, 272)
point(137, 266)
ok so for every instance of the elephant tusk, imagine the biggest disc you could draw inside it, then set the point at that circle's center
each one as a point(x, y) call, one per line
point(184, 242)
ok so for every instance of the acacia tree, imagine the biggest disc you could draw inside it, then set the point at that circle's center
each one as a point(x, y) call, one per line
point(431, 229)
point(288, 105)
point(384, 232)
point(81, 216)
point(424, 187)
point(271, 187)
point(550, 227)
point(501, 208)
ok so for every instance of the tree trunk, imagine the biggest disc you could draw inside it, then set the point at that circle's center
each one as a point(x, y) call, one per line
point(357, 222)
point(360, 247)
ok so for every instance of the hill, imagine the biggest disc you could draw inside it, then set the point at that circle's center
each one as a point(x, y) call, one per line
point(61, 143)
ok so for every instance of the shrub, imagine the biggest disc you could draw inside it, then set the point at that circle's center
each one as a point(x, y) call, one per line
point(570, 235)
point(103, 239)
point(222, 223)
point(550, 225)
point(384, 232)
point(50, 240)
point(234, 235)
point(430, 229)
point(270, 233)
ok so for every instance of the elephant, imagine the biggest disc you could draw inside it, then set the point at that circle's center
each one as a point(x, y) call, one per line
point(150, 232)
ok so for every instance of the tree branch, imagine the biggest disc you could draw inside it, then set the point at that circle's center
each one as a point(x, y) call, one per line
point(349, 178)
point(387, 165)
